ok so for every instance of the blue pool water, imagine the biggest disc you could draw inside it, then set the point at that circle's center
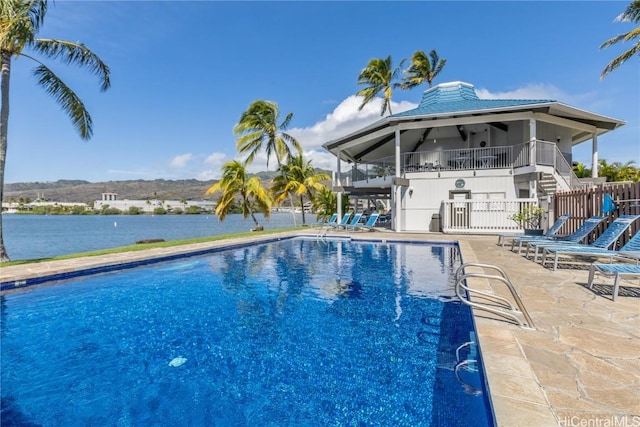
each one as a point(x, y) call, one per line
point(293, 333)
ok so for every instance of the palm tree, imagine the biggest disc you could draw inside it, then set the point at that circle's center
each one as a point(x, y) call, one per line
point(236, 183)
point(581, 170)
point(631, 14)
point(299, 178)
point(617, 171)
point(20, 22)
point(422, 69)
point(379, 76)
point(259, 129)
point(325, 203)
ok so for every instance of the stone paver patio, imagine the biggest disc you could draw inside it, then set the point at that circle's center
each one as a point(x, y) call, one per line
point(579, 367)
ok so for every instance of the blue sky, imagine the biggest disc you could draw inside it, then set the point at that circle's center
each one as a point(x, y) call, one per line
point(183, 73)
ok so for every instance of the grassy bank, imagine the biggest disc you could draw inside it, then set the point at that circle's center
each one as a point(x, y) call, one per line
point(145, 246)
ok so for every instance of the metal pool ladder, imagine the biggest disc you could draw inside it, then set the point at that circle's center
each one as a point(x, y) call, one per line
point(487, 301)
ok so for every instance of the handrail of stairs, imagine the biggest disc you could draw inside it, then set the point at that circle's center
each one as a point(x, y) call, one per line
point(499, 305)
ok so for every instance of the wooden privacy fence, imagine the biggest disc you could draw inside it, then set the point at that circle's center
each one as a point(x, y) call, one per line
point(582, 204)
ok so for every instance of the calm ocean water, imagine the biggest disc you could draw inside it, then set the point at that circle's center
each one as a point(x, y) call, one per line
point(41, 236)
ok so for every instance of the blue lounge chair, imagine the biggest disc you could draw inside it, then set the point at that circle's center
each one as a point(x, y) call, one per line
point(354, 221)
point(343, 221)
point(331, 220)
point(552, 231)
point(599, 248)
point(618, 271)
point(576, 237)
point(371, 222)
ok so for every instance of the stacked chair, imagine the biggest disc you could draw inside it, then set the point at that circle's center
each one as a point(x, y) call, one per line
point(577, 236)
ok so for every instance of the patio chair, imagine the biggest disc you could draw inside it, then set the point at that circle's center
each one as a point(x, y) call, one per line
point(355, 220)
point(343, 221)
point(576, 237)
point(331, 220)
point(371, 222)
point(619, 271)
point(599, 248)
point(552, 231)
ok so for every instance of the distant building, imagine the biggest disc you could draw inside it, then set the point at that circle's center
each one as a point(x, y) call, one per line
point(110, 199)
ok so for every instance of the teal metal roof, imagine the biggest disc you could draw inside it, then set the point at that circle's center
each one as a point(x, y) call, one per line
point(459, 96)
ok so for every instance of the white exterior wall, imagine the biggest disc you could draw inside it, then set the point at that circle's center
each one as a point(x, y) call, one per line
point(428, 194)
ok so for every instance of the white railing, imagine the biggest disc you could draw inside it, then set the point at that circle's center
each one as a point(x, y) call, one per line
point(501, 157)
point(458, 159)
point(547, 153)
point(482, 216)
point(380, 168)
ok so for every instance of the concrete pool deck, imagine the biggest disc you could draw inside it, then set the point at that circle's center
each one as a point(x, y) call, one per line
point(580, 367)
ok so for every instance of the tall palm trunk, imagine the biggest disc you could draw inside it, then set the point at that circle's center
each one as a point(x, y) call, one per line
point(5, 73)
point(286, 181)
point(302, 207)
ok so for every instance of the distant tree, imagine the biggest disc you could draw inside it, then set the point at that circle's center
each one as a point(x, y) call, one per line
point(260, 129)
point(106, 210)
point(192, 210)
point(631, 14)
point(236, 184)
point(134, 210)
point(177, 211)
point(298, 178)
point(617, 171)
point(423, 68)
point(78, 210)
point(379, 76)
point(159, 211)
point(20, 22)
point(581, 170)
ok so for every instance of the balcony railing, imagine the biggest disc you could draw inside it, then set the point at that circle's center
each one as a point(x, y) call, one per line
point(458, 159)
point(502, 157)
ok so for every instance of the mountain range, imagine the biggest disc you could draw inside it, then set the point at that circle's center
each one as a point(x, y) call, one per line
point(78, 191)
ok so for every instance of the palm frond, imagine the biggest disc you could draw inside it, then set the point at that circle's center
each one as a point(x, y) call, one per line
point(20, 22)
point(631, 14)
point(67, 99)
point(75, 53)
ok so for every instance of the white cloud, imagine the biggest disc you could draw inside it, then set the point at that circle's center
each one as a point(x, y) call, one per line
point(215, 159)
point(180, 161)
point(529, 91)
point(344, 119)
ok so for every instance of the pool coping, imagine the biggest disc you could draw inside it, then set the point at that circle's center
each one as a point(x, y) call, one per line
point(521, 392)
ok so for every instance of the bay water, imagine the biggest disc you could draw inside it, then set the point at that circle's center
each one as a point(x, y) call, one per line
point(42, 236)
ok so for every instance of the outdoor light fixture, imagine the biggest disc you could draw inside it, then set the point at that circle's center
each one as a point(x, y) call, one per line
point(410, 191)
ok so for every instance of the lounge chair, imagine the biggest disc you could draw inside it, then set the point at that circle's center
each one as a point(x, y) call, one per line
point(576, 237)
point(619, 271)
point(354, 221)
point(599, 248)
point(343, 221)
point(331, 220)
point(371, 222)
point(552, 231)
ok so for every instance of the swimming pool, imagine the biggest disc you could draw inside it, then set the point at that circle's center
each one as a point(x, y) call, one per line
point(298, 332)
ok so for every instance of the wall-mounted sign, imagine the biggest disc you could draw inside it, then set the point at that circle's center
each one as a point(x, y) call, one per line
point(459, 183)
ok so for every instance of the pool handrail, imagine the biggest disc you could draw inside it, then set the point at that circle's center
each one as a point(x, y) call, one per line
point(505, 308)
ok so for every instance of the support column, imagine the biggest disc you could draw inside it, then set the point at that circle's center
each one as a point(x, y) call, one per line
point(532, 142)
point(533, 186)
point(397, 189)
point(594, 155)
point(339, 185)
